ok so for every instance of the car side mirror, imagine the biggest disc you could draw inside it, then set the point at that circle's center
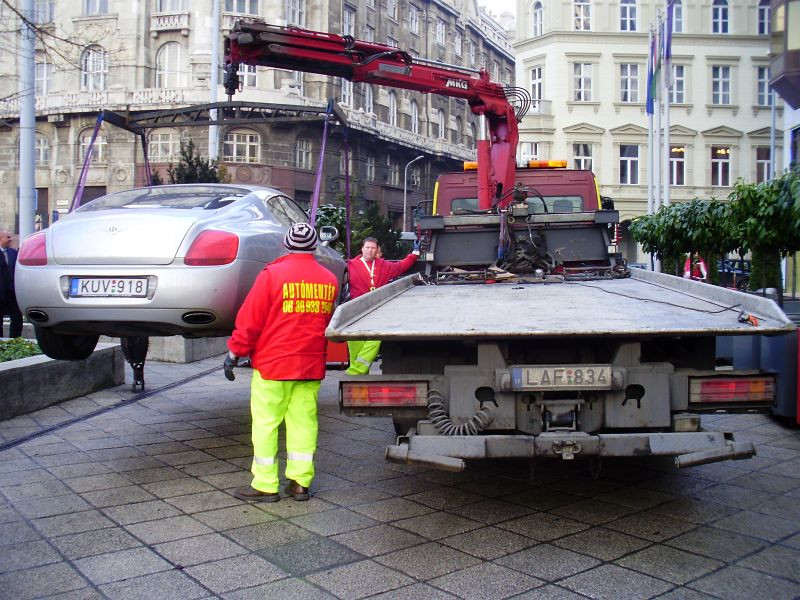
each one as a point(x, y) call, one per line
point(328, 234)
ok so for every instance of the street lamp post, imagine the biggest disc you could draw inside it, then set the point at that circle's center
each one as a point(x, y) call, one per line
point(405, 187)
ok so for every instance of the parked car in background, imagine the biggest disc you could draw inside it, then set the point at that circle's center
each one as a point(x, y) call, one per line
point(163, 260)
point(734, 273)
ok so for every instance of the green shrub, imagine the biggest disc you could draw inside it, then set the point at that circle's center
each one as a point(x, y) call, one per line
point(17, 348)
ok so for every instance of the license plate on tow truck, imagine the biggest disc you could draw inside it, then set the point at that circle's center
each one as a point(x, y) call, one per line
point(561, 377)
point(108, 287)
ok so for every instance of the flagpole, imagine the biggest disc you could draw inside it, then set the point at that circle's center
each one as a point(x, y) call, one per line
point(666, 76)
point(650, 148)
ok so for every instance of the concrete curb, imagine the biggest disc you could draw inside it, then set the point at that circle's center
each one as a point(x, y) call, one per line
point(33, 383)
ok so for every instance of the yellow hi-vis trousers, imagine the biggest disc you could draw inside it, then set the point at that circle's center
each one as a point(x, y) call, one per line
point(272, 402)
point(362, 355)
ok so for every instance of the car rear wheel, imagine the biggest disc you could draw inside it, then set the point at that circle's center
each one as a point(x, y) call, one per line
point(65, 347)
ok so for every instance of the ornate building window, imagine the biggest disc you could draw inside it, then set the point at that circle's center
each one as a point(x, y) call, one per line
point(414, 117)
point(719, 16)
point(303, 158)
point(168, 66)
point(537, 19)
point(241, 146)
point(94, 69)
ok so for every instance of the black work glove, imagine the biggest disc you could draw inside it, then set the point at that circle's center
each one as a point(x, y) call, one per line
point(231, 360)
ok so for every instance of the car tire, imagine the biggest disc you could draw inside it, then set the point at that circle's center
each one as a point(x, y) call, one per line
point(65, 347)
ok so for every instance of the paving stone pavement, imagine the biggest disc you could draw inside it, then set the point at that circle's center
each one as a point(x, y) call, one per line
point(135, 502)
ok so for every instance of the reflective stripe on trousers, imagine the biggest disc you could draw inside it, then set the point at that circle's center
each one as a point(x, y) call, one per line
point(362, 354)
point(271, 403)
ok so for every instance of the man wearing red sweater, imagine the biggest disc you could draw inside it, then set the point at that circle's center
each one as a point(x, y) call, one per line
point(368, 272)
point(281, 327)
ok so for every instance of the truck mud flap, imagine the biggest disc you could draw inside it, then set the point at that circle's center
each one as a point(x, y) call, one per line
point(449, 452)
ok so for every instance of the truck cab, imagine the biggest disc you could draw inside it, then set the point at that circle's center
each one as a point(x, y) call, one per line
point(551, 188)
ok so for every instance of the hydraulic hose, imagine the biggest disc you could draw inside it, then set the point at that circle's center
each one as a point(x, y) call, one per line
point(442, 421)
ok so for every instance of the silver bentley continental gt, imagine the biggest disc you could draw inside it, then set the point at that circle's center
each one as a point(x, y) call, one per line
point(164, 260)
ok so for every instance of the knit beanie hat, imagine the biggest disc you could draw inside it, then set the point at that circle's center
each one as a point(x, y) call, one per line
point(301, 237)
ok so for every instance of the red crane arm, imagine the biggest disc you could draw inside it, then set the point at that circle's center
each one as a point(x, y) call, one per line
point(254, 43)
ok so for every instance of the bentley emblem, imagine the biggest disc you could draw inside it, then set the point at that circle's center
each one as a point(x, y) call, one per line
point(114, 229)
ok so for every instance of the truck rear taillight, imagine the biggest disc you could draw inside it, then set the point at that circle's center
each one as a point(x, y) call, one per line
point(381, 393)
point(33, 252)
point(732, 389)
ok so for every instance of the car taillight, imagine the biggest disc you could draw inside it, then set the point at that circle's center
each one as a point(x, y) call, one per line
point(380, 393)
point(33, 252)
point(732, 389)
point(212, 248)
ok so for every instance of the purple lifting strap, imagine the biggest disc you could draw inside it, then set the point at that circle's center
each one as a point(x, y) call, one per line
point(147, 172)
point(76, 198)
point(315, 200)
point(346, 150)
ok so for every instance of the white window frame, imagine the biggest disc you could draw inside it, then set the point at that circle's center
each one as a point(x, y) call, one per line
point(392, 109)
point(349, 21)
point(763, 18)
point(720, 22)
point(720, 85)
point(390, 41)
point(720, 166)
point(677, 165)
point(42, 151)
point(168, 66)
point(537, 86)
point(43, 11)
point(628, 166)
point(345, 163)
point(369, 33)
point(441, 27)
point(99, 151)
point(457, 136)
point(43, 78)
point(164, 146)
point(242, 7)
point(528, 151)
point(169, 5)
point(441, 121)
point(414, 117)
point(296, 12)
point(94, 69)
point(763, 93)
point(677, 17)
point(347, 92)
point(392, 171)
point(241, 146)
point(297, 77)
point(391, 9)
point(627, 15)
point(582, 156)
point(458, 41)
point(583, 15)
point(581, 76)
point(248, 75)
point(370, 167)
point(415, 177)
point(763, 166)
point(369, 99)
point(471, 52)
point(95, 7)
point(303, 157)
point(537, 19)
point(677, 91)
point(413, 19)
point(629, 83)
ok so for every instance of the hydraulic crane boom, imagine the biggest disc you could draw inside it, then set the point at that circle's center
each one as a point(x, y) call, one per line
point(254, 43)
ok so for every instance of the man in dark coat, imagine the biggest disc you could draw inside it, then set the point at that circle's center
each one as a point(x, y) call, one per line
point(8, 299)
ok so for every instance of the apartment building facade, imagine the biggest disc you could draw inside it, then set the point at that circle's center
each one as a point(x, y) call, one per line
point(585, 63)
point(149, 55)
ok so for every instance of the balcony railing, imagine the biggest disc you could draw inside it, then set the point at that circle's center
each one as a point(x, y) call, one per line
point(169, 21)
point(541, 107)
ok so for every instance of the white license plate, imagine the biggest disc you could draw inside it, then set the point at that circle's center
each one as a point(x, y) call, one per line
point(561, 377)
point(108, 287)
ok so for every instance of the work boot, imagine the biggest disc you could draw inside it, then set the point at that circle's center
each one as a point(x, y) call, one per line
point(253, 495)
point(297, 491)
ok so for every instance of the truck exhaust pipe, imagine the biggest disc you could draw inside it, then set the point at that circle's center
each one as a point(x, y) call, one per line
point(732, 450)
point(399, 454)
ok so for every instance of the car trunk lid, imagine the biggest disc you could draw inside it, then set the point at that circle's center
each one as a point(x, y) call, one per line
point(118, 237)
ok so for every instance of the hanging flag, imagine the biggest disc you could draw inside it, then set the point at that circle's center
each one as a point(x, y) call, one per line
point(652, 71)
point(670, 25)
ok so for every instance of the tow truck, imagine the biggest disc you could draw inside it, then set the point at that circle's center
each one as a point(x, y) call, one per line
point(525, 334)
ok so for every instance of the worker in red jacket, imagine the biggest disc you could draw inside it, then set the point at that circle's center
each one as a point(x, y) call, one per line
point(367, 273)
point(281, 327)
